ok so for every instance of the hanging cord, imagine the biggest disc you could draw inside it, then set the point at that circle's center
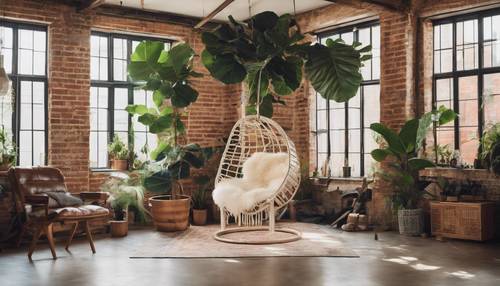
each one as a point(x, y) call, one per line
point(258, 94)
point(294, 9)
point(249, 9)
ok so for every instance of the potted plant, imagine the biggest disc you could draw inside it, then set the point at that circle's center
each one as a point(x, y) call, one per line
point(402, 170)
point(118, 154)
point(126, 192)
point(200, 199)
point(490, 145)
point(167, 75)
point(8, 152)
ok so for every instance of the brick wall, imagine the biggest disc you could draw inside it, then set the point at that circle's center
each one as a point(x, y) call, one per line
point(209, 119)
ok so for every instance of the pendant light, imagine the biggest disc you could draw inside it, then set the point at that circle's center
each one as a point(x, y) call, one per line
point(5, 83)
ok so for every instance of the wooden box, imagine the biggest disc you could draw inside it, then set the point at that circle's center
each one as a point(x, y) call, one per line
point(463, 220)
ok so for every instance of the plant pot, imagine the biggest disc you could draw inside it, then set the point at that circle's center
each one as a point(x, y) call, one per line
point(411, 222)
point(120, 165)
point(119, 228)
point(199, 217)
point(170, 213)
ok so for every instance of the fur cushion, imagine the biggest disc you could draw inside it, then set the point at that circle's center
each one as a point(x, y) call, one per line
point(263, 174)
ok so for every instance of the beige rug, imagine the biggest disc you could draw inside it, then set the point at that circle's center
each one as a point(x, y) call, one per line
point(198, 242)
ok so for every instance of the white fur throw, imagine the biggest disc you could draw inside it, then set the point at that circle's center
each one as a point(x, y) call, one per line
point(263, 174)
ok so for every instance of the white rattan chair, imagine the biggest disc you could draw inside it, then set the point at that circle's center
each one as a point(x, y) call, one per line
point(253, 134)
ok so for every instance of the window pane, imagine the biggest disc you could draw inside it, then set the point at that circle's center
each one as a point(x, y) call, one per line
point(371, 100)
point(468, 105)
point(467, 45)
point(38, 92)
point(102, 149)
point(491, 98)
point(25, 146)
point(322, 120)
point(337, 141)
point(25, 62)
point(38, 117)
point(25, 39)
point(39, 43)
point(6, 35)
point(121, 98)
point(140, 139)
point(94, 161)
point(121, 120)
point(38, 148)
point(336, 164)
point(468, 143)
point(25, 116)
point(337, 119)
point(355, 164)
point(322, 142)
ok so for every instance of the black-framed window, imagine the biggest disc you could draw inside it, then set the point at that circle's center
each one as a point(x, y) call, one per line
point(467, 77)
point(342, 129)
point(24, 47)
point(110, 93)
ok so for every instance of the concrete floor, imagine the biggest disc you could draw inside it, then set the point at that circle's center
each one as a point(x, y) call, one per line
point(392, 260)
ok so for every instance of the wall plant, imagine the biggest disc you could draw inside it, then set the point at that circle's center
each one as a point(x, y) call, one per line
point(167, 74)
point(270, 54)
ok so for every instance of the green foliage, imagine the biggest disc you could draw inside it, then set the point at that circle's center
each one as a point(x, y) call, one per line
point(8, 150)
point(495, 158)
point(177, 162)
point(434, 119)
point(491, 136)
point(199, 196)
point(117, 150)
point(404, 165)
point(269, 54)
point(126, 192)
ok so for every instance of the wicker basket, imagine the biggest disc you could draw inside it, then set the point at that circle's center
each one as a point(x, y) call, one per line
point(411, 222)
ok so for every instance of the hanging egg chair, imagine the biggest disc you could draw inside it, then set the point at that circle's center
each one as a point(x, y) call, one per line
point(259, 174)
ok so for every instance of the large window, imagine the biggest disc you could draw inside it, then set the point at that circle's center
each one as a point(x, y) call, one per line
point(24, 47)
point(110, 93)
point(467, 77)
point(342, 129)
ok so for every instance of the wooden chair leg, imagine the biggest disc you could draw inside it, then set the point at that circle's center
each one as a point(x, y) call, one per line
point(73, 231)
point(50, 238)
point(89, 236)
point(36, 236)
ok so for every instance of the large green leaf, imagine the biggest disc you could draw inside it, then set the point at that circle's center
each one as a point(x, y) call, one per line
point(264, 21)
point(147, 119)
point(408, 134)
point(395, 143)
point(147, 51)
point(425, 123)
point(224, 67)
point(139, 109)
point(161, 147)
point(417, 164)
point(334, 71)
point(159, 182)
point(160, 124)
point(193, 160)
point(179, 56)
point(379, 155)
point(183, 95)
point(447, 116)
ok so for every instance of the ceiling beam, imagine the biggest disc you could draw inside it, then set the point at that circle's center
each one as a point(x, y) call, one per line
point(399, 6)
point(213, 13)
point(90, 4)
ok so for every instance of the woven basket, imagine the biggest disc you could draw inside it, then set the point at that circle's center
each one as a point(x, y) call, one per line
point(411, 222)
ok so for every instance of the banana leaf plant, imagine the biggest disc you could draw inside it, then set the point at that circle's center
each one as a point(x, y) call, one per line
point(401, 150)
point(270, 54)
point(167, 75)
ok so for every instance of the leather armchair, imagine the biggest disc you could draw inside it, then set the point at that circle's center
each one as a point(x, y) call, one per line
point(31, 185)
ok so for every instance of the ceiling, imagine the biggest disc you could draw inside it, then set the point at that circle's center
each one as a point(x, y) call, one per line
point(238, 8)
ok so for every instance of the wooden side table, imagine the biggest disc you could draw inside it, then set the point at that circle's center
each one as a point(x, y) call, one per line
point(463, 220)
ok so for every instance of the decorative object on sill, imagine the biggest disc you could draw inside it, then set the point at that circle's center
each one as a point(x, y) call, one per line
point(461, 220)
point(8, 151)
point(346, 171)
point(118, 154)
point(403, 171)
point(358, 206)
point(167, 75)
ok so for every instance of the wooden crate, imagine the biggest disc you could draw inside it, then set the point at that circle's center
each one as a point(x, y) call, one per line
point(463, 220)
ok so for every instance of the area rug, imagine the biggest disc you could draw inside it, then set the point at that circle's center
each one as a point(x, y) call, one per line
point(198, 242)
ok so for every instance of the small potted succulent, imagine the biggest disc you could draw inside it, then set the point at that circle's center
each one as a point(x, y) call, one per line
point(118, 154)
point(8, 154)
point(126, 192)
point(199, 199)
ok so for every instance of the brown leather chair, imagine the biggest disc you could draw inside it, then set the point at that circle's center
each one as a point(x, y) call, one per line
point(31, 185)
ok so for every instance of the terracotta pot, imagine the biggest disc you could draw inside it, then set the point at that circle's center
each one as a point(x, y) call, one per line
point(199, 217)
point(170, 213)
point(119, 228)
point(121, 165)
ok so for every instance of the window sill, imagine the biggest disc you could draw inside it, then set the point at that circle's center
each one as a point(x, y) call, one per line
point(104, 170)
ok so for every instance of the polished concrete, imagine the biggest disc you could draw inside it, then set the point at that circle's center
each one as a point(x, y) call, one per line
point(392, 260)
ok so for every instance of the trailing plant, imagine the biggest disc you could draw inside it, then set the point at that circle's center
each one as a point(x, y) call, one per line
point(269, 54)
point(167, 74)
point(117, 150)
point(126, 192)
point(8, 150)
point(404, 165)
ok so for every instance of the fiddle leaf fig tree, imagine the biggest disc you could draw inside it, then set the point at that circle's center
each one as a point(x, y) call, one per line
point(166, 74)
point(270, 54)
